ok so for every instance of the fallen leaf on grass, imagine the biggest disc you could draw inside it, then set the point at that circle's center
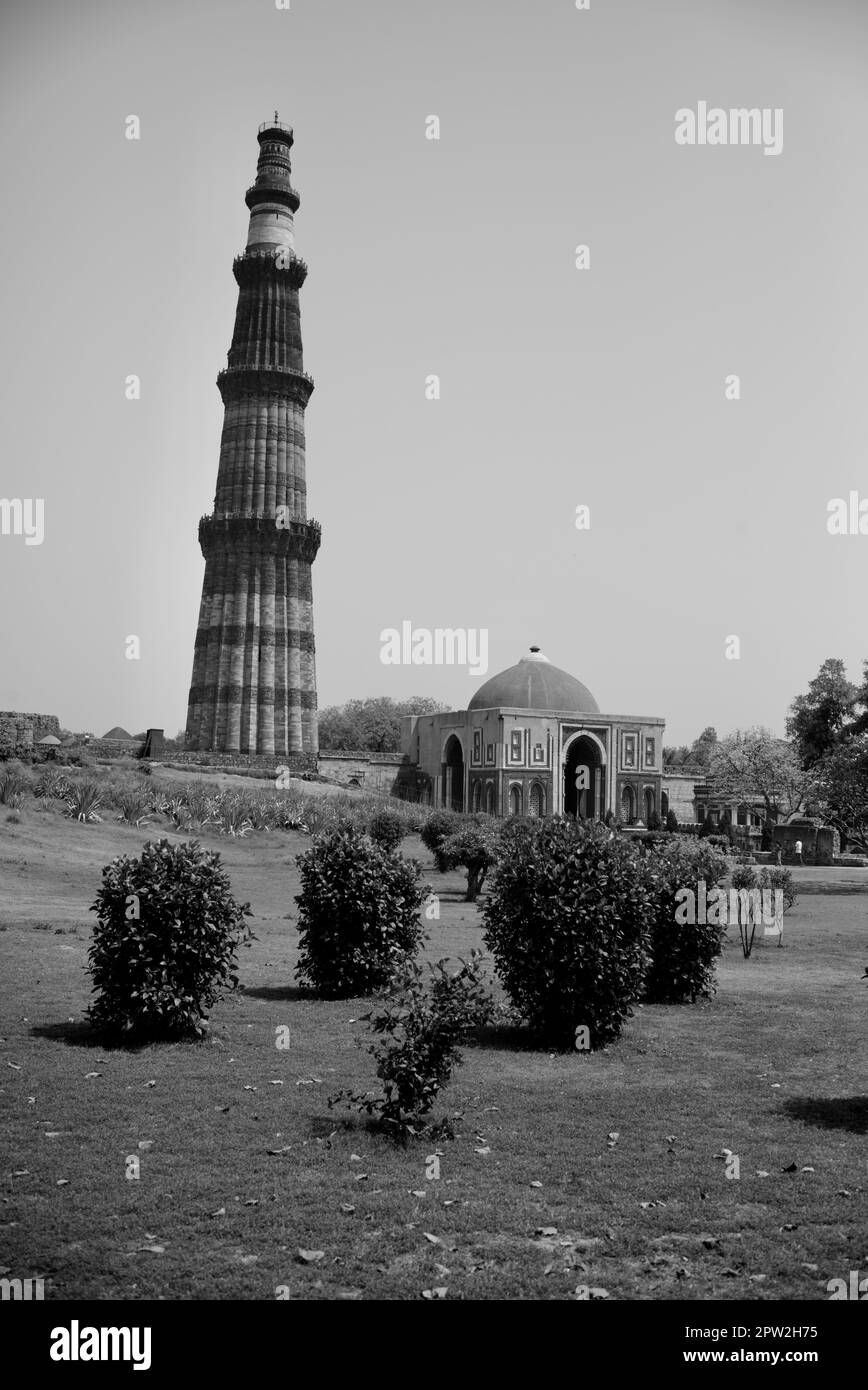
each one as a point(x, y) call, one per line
point(435, 1240)
point(536, 1184)
point(311, 1257)
point(16, 1066)
point(222, 1108)
point(63, 1182)
point(221, 1211)
point(274, 1153)
point(248, 1088)
point(434, 1293)
point(154, 1249)
point(485, 1150)
point(347, 1207)
point(546, 1231)
point(89, 1074)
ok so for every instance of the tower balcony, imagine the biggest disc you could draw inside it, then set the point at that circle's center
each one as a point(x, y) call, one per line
point(236, 531)
point(259, 379)
point(272, 193)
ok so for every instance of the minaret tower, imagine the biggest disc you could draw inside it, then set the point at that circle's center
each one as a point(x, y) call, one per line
point(254, 681)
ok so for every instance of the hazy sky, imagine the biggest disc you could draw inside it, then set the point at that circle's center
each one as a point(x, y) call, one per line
point(559, 387)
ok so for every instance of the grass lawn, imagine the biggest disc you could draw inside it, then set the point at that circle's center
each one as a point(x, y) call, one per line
point(242, 1163)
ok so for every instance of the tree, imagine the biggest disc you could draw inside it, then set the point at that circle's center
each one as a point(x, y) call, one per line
point(819, 720)
point(474, 848)
point(369, 726)
point(751, 764)
point(843, 789)
point(703, 748)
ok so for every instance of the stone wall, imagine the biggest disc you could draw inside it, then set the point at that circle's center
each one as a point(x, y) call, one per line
point(381, 772)
point(26, 729)
point(818, 843)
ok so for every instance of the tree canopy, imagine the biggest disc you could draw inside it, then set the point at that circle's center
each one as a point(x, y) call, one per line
point(369, 726)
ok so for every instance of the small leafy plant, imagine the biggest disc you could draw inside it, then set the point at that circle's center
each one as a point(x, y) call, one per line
point(418, 1027)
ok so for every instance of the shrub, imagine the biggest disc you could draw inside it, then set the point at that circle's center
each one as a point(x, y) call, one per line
point(779, 879)
point(566, 921)
point(358, 913)
point(743, 876)
point(683, 952)
point(438, 826)
point(417, 1033)
point(157, 974)
point(654, 821)
point(671, 821)
point(83, 800)
point(474, 848)
point(387, 828)
point(707, 827)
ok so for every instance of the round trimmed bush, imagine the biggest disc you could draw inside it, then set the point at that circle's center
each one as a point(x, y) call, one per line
point(166, 940)
point(387, 828)
point(566, 922)
point(358, 913)
point(437, 828)
point(683, 952)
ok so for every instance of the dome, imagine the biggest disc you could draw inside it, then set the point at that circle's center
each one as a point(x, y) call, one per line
point(534, 683)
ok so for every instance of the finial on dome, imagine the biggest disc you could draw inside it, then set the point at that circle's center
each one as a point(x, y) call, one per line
point(536, 655)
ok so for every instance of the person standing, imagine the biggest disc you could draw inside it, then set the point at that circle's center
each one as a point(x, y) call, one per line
point(797, 850)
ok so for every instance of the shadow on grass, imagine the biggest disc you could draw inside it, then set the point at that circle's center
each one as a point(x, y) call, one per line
point(839, 1112)
point(85, 1035)
point(277, 993)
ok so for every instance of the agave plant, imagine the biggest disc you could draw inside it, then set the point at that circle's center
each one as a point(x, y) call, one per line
point(234, 819)
point(52, 784)
point(197, 800)
point(316, 816)
point(12, 784)
point(133, 804)
point(176, 808)
point(289, 812)
point(262, 813)
point(83, 800)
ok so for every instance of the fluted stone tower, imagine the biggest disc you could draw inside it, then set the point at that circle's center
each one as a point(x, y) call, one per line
point(254, 682)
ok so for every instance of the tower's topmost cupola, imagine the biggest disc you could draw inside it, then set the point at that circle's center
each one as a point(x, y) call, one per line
point(272, 200)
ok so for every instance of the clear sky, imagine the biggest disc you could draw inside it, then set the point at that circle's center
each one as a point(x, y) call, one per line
point(560, 387)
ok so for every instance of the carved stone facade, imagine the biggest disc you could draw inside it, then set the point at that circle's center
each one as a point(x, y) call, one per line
point(534, 742)
point(253, 689)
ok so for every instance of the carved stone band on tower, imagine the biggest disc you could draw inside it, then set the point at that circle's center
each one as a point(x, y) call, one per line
point(254, 680)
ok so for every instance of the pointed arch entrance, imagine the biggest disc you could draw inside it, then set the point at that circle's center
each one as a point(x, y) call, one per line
point(584, 778)
point(453, 774)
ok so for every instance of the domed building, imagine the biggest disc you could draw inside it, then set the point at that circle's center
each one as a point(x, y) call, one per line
point(533, 741)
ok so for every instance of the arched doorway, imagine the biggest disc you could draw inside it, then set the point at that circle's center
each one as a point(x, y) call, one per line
point(453, 776)
point(477, 795)
point(628, 805)
point(649, 804)
point(584, 764)
point(537, 800)
point(515, 801)
point(489, 798)
point(664, 804)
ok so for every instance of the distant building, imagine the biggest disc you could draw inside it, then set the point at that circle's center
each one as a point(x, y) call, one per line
point(534, 742)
